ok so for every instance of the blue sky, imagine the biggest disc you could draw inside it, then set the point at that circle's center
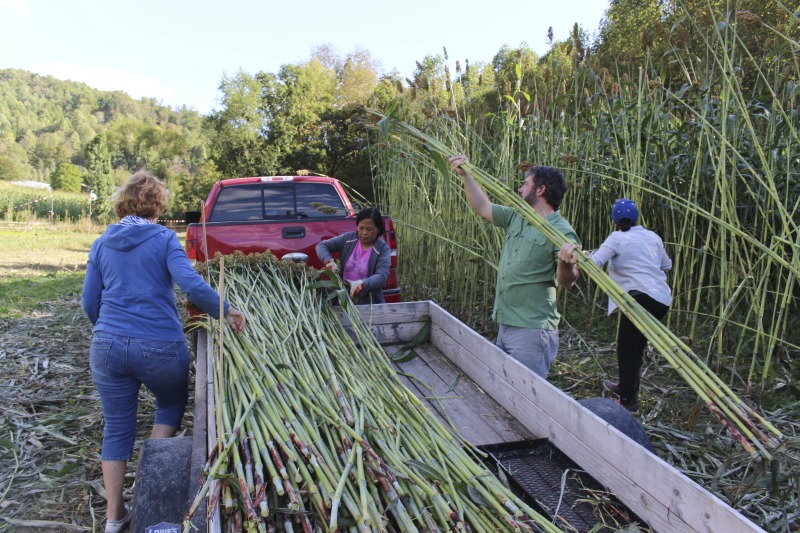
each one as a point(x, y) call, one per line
point(178, 50)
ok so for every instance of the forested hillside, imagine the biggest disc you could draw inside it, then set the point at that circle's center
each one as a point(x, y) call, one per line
point(51, 127)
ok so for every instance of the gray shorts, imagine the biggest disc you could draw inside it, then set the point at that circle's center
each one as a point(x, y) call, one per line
point(534, 348)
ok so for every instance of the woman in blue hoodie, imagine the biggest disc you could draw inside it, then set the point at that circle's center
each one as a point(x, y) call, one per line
point(138, 338)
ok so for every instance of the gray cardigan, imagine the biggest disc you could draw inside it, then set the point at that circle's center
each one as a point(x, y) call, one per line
point(379, 261)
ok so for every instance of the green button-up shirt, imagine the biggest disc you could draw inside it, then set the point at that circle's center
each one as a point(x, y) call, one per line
point(525, 296)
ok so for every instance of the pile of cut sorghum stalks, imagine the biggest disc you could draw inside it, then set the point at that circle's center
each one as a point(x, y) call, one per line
point(315, 430)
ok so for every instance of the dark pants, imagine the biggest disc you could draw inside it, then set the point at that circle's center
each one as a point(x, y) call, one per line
point(630, 348)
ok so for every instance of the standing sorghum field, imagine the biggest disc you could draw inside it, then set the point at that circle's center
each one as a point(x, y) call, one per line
point(713, 161)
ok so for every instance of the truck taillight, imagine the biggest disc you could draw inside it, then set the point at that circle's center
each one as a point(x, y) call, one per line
point(191, 249)
point(391, 282)
point(391, 239)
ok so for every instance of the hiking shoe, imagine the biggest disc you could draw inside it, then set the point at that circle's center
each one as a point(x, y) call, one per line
point(115, 526)
point(631, 407)
point(611, 387)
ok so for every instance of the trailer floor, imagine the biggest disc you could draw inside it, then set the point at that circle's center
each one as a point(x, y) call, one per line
point(456, 400)
point(532, 467)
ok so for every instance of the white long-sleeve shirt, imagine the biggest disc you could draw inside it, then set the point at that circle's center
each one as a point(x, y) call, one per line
point(636, 261)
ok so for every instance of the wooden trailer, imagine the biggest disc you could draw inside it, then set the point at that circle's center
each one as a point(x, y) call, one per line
point(492, 401)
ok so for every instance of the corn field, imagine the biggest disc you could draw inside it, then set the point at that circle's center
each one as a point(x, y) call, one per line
point(22, 203)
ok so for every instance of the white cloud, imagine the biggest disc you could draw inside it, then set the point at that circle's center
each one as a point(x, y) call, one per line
point(20, 7)
point(106, 79)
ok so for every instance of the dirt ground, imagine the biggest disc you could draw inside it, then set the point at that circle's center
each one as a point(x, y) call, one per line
point(51, 424)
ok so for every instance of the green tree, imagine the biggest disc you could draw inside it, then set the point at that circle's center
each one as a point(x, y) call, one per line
point(387, 91)
point(100, 176)
point(238, 140)
point(128, 141)
point(474, 84)
point(517, 76)
point(13, 161)
point(294, 102)
point(629, 30)
point(514, 70)
point(66, 177)
point(188, 194)
point(51, 149)
point(346, 147)
point(429, 88)
point(357, 78)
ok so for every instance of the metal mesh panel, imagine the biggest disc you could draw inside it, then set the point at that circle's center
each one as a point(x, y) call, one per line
point(551, 482)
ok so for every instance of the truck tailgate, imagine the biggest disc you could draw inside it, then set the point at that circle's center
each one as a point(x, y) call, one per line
point(279, 236)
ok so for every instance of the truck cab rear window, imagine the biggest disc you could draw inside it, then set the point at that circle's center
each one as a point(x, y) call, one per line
point(278, 201)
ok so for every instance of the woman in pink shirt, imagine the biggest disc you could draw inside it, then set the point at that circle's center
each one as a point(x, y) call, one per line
point(364, 256)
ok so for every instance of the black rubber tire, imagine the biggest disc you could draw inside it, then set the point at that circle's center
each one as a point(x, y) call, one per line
point(620, 418)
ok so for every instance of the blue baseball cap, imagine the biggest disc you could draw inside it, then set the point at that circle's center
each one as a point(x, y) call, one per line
point(624, 208)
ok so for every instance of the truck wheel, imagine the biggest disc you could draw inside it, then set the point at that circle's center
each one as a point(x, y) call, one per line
point(620, 418)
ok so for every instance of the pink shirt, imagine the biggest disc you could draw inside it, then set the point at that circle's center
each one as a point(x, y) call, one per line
point(357, 265)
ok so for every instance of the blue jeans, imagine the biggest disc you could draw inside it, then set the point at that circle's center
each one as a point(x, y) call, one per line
point(120, 365)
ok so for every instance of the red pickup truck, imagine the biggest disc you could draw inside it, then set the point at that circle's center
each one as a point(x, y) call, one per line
point(283, 214)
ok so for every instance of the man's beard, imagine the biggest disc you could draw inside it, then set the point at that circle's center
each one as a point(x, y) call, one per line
point(530, 199)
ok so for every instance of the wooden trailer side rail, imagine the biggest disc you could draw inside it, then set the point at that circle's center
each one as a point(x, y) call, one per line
point(657, 492)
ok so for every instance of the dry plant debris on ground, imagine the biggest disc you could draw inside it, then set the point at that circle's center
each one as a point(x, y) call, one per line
point(686, 435)
point(51, 424)
point(51, 429)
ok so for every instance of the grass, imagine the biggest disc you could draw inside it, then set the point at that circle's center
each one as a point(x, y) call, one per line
point(21, 296)
point(39, 263)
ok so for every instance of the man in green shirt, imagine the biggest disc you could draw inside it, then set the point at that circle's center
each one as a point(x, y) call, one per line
point(530, 265)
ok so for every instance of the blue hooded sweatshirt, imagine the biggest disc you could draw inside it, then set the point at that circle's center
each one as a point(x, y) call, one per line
point(130, 279)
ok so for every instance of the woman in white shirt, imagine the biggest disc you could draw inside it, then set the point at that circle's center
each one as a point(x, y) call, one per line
point(637, 262)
